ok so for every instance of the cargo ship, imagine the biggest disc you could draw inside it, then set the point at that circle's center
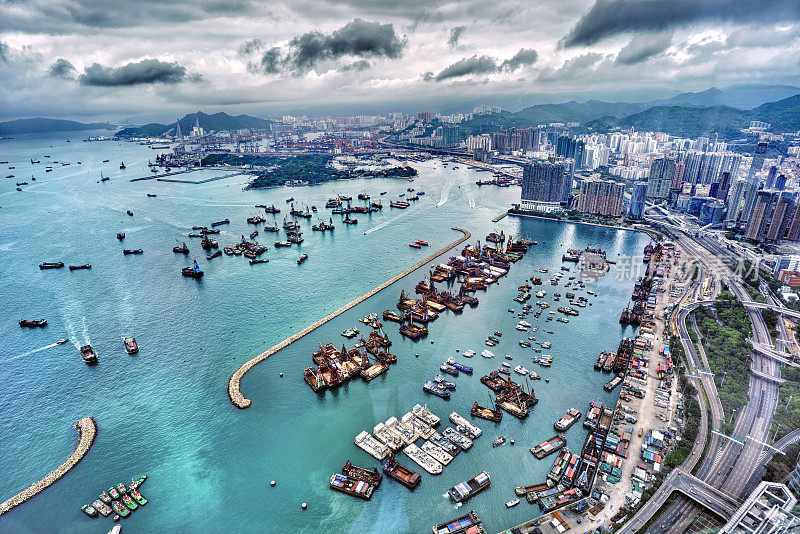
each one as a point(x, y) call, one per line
point(572, 416)
point(609, 364)
point(423, 459)
point(32, 323)
point(549, 446)
point(223, 221)
point(400, 473)
point(349, 486)
point(464, 491)
point(601, 360)
point(559, 466)
point(467, 524)
point(593, 415)
point(131, 347)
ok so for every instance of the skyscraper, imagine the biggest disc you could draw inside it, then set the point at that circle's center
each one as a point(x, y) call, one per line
point(638, 197)
point(751, 184)
point(662, 172)
point(601, 197)
point(543, 185)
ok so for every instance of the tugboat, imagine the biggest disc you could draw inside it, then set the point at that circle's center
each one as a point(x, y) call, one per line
point(302, 258)
point(89, 355)
point(104, 178)
point(131, 347)
point(32, 323)
point(51, 265)
point(120, 236)
point(77, 267)
point(192, 272)
point(129, 212)
point(132, 251)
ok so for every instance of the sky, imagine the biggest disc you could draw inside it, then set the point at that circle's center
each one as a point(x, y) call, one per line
point(142, 60)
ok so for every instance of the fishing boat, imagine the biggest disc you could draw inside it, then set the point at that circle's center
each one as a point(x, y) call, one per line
point(352, 487)
point(434, 389)
point(499, 441)
point(131, 347)
point(439, 380)
point(302, 258)
point(51, 265)
point(120, 509)
point(89, 510)
point(572, 416)
point(89, 355)
point(32, 323)
point(129, 502)
point(460, 366)
point(192, 272)
point(449, 369)
point(128, 251)
point(405, 476)
point(183, 249)
point(215, 254)
point(114, 493)
point(140, 500)
point(464, 491)
point(549, 446)
point(129, 212)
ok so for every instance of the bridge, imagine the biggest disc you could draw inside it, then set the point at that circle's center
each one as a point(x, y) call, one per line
point(782, 357)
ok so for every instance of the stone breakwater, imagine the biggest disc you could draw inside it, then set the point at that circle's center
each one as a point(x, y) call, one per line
point(234, 384)
point(87, 430)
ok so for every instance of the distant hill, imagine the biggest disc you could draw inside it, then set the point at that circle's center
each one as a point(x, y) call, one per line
point(42, 125)
point(217, 122)
point(736, 96)
point(784, 115)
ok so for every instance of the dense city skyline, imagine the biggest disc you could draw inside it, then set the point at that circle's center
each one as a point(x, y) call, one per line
point(154, 60)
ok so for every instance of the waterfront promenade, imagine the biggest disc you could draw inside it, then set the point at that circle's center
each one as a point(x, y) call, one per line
point(87, 430)
point(234, 384)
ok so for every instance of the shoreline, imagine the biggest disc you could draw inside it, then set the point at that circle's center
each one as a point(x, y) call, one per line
point(511, 214)
point(234, 383)
point(87, 431)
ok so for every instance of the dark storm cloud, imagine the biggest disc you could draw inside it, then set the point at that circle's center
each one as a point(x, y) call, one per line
point(643, 47)
point(524, 57)
point(455, 35)
point(358, 38)
point(611, 17)
point(147, 71)
point(468, 66)
point(62, 68)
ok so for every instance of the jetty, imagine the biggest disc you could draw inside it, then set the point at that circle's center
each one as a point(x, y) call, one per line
point(234, 384)
point(87, 430)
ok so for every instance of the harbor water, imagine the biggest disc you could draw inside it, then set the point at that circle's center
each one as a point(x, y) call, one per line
point(164, 412)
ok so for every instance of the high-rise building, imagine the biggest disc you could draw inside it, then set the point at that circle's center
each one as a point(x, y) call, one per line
point(638, 198)
point(735, 201)
point(772, 216)
point(500, 141)
point(543, 185)
point(662, 172)
point(601, 197)
point(751, 185)
point(723, 186)
point(769, 183)
point(780, 182)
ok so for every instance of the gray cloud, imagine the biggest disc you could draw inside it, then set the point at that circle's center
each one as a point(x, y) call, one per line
point(358, 38)
point(147, 71)
point(611, 17)
point(468, 66)
point(251, 47)
point(523, 57)
point(455, 35)
point(4, 52)
point(360, 65)
point(644, 46)
point(62, 68)
point(575, 67)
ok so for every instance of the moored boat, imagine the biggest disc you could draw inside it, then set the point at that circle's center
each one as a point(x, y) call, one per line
point(549, 446)
point(352, 487)
point(464, 491)
point(51, 265)
point(371, 446)
point(572, 416)
point(423, 459)
point(192, 272)
point(120, 509)
point(486, 413)
point(394, 470)
point(79, 267)
point(89, 510)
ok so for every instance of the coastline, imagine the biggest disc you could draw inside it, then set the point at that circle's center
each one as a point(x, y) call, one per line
point(615, 227)
point(234, 383)
point(87, 431)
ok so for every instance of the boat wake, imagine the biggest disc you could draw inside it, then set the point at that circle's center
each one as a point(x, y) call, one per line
point(50, 346)
point(446, 192)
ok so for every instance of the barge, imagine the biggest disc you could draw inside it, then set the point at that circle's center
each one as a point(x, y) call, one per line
point(371, 446)
point(445, 444)
point(388, 437)
point(521, 491)
point(549, 446)
point(486, 413)
point(423, 459)
point(572, 416)
point(405, 476)
point(438, 454)
point(464, 491)
point(614, 382)
point(32, 323)
point(370, 476)
point(559, 466)
point(467, 524)
point(426, 416)
point(352, 487)
point(465, 427)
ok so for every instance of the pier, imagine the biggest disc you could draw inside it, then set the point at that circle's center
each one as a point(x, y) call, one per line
point(87, 430)
point(234, 384)
point(163, 174)
point(179, 181)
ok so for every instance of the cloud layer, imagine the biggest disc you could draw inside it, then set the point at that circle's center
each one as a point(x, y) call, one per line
point(147, 71)
point(476, 65)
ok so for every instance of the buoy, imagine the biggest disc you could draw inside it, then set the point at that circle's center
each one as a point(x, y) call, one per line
point(281, 374)
point(304, 506)
point(511, 441)
point(431, 342)
point(272, 483)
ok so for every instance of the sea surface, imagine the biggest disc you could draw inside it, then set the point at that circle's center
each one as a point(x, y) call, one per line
point(165, 411)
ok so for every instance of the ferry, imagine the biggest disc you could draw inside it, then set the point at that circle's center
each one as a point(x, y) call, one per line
point(465, 427)
point(89, 355)
point(486, 413)
point(302, 258)
point(549, 446)
point(423, 459)
point(456, 437)
point(572, 416)
point(464, 491)
point(459, 366)
point(192, 272)
point(349, 486)
point(130, 345)
point(426, 416)
point(371, 446)
point(400, 473)
point(33, 323)
point(434, 389)
point(437, 453)
point(445, 444)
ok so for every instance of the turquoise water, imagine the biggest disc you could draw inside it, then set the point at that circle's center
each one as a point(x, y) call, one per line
point(165, 412)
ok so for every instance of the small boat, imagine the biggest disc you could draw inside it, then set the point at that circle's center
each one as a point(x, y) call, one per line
point(132, 251)
point(129, 212)
point(350, 333)
point(499, 441)
point(256, 262)
point(302, 258)
point(51, 265)
point(415, 245)
point(62, 341)
point(89, 510)
point(129, 502)
point(279, 244)
point(32, 323)
point(183, 249)
point(78, 267)
point(120, 236)
point(192, 272)
point(459, 366)
point(449, 369)
point(512, 503)
point(487, 353)
point(138, 496)
point(421, 242)
point(89, 355)
point(223, 221)
point(122, 165)
point(434, 389)
point(131, 347)
point(469, 353)
point(215, 254)
point(114, 493)
point(521, 370)
point(120, 509)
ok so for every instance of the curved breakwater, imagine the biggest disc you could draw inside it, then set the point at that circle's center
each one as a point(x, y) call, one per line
point(234, 384)
point(87, 430)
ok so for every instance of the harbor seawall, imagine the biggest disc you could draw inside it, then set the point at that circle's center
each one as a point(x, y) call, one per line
point(234, 384)
point(87, 430)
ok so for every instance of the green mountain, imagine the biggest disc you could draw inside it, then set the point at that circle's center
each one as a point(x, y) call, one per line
point(41, 125)
point(736, 96)
point(217, 122)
